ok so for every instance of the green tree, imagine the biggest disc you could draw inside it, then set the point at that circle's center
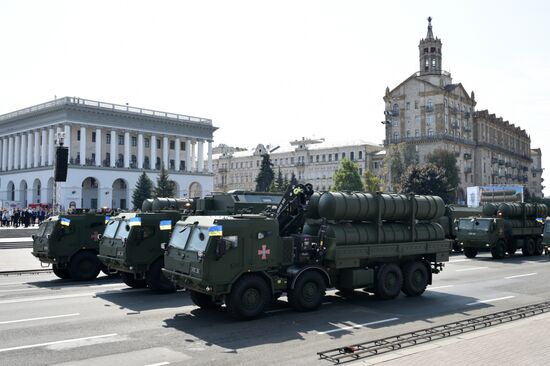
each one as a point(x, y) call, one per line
point(347, 177)
point(165, 187)
point(371, 182)
point(266, 175)
point(426, 179)
point(446, 160)
point(279, 183)
point(398, 158)
point(143, 190)
point(293, 180)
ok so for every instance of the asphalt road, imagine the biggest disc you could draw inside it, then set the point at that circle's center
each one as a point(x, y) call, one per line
point(44, 320)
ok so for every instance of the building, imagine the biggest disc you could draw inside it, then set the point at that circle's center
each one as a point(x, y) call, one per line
point(109, 145)
point(535, 186)
point(311, 160)
point(432, 112)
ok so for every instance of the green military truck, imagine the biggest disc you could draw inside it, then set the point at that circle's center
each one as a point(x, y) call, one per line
point(131, 241)
point(70, 244)
point(504, 228)
point(546, 236)
point(449, 221)
point(384, 243)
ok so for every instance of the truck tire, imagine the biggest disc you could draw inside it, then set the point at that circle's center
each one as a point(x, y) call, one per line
point(248, 298)
point(470, 252)
point(203, 301)
point(498, 251)
point(156, 280)
point(528, 248)
point(388, 281)
point(308, 291)
point(132, 281)
point(62, 273)
point(84, 266)
point(539, 247)
point(415, 278)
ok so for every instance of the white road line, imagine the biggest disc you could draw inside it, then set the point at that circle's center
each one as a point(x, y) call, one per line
point(470, 269)
point(14, 240)
point(358, 326)
point(121, 285)
point(159, 364)
point(490, 300)
point(460, 260)
point(56, 342)
point(41, 318)
point(85, 294)
point(523, 275)
point(439, 287)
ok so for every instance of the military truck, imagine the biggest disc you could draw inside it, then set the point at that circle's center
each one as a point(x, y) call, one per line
point(70, 244)
point(504, 228)
point(449, 221)
point(546, 236)
point(384, 243)
point(131, 241)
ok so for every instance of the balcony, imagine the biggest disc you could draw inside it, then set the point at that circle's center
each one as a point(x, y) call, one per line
point(394, 113)
point(455, 126)
point(467, 156)
point(429, 108)
point(300, 164)
point(500, 162)
point(466, 115)
point(494, 160)
point(467, 128)
point(468, 170)
point(507, 164)
point(222, 170)
point(536, 170)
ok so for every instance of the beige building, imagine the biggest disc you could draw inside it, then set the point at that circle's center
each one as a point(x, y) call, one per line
point(432, 112)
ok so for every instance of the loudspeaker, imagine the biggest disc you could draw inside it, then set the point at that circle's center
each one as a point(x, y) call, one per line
point(61, 161)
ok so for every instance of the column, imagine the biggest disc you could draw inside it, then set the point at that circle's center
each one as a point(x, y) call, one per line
point(177, 154)
point(98, 147)
point(23, 152)
point(36, 148)
point(113, 149)
point(200, 161)
point(67, 130)
point(209, 156)
point(153, 151)
point(82, 145)
point(188, 166)
point(126, 149)
point(140, 151)
point(51, 146)
point(10, 153)
point(165, 161)
point(30, 146)
point(16, 151)
point(43, 147)
point(4, 153)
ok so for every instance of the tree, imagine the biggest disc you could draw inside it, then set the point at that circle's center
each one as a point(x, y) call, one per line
point(278, 184)
point(446, 160)
point(398, 158)
point(426, 179)
point(293, 180)
point(372, 182)
point(266, 175)
point(347, 178)
point(143, 190)
point(165, 186)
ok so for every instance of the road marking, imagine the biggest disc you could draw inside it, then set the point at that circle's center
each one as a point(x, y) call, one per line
point(44, 298)
point(159, 364)
point(41, 318)
point(523, 275)
point(14, 240)
point(289, 308)
point(57, 342)
point(121, 285)
point(358, 326)
point(490, 300)
point(470, 269)
point(460, 260)
point(439, 287)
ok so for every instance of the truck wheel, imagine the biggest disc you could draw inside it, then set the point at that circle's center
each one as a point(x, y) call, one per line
point(131, 281)
point(498, 251)
point(456, 247)
point(388, 281)
point(528, 248)
point(156, 280)
point(415, 278)
point(308, 292)
point(248, 297)
point(512, 248)
point(539, 247)
point(203, 301)
point(470, 252)
point(62, 273)
point(84, 266)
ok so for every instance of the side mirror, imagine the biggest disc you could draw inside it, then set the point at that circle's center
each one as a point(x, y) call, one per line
point(48, 236)
point(163, 246)
point(99, 236)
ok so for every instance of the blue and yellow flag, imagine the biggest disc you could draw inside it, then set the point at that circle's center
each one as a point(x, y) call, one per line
point(65, 221)
point(165, 225)
point(107, 218)
point(135, 221)
point(215, 230)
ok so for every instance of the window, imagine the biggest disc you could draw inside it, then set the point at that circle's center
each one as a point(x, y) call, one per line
point(121, 139)
point(257, 163)
point(395, 135)
point(292, 160)
point(430, 120)
point(408, 133)
point(343, 155)
point(134, 141)
point(147, 142)
point(408, 105)
point(375, 165)
point(416, 133)
point(182, 145)
point(93, 137)
point(417, 119)
point(360, 155)
point(433, 62)
point(416, 104)
point(336, 157)
point(329, 157)
point(317, 158)
point(324, 158)
point(352, 156)
point(158, 143)
point(78, 135)
point(172, 145)
point(108, 139)
point(430, 132)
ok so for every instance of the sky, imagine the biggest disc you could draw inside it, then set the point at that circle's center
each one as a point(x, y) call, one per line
point(275, 71)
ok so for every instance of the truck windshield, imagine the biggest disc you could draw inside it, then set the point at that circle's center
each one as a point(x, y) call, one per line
point(110, 229)
point(49, 228)
point(41, 229)
point(476, 225)
point(123, 230)
point(547, 227)
point(180, 235)
point(197, 239)
point(465, 224)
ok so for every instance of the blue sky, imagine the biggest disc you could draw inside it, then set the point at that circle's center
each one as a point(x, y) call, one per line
point(274, 71)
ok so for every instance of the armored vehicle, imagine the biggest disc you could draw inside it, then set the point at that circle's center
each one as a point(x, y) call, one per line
point(70, 243)
point(384, 243)
point(505, 228)
point(131, 242)
point(449, 221)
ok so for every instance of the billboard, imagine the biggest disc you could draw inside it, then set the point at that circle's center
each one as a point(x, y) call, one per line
point(480, 195)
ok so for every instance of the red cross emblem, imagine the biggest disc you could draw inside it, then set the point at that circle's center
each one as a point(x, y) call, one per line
point(264, 252)
point(95, 236)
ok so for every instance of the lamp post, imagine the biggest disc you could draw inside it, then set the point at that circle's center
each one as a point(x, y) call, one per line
point(388, 135)
point(60, 139)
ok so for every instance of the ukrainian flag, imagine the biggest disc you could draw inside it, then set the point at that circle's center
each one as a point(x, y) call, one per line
point(215, 230)
point(165, 225)
point(65, 221)
point(135, 221)
point(107, 218)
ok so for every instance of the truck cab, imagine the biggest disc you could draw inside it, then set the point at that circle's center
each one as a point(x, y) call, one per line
point(546, 235)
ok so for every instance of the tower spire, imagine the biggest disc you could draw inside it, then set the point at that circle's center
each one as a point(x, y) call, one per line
point(430, 34)
point(430, 52)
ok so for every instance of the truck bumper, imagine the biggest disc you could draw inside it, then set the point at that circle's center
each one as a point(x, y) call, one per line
point(189, 282)
point(45, 258)
point(115, 263)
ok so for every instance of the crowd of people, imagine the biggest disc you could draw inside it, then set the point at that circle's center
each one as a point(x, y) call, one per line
point(23, 217)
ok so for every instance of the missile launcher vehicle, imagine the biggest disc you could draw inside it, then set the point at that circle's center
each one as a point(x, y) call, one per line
point(504, 228)
point(383, 243)
point(70, 244)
